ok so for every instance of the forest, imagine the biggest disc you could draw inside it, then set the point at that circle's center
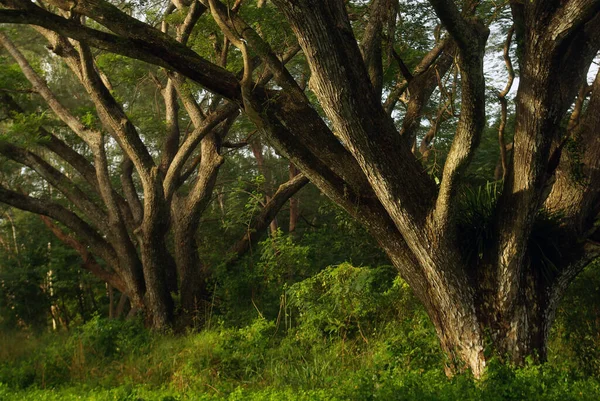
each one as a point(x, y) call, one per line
point(299, 200)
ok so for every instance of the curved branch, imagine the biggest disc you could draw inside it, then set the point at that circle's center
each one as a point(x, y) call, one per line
point(155, 49)
point(471, 37)
point(57, 180)
point(504, 103)
point(90, 137)
point(261, 221)
point(66, 217)
point(380, 11)
point(89, 262)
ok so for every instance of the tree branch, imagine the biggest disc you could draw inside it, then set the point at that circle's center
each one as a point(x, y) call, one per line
point(57, 180)
point(471, 37)
point(66, 217)
point(420, 89)
point(129, 189)
point(364, 127)
point(155, 49)
point(261, 221)
point(89, 262)
point(89, 136)
point(459, 26)
point(504, 103)
point(371, 49)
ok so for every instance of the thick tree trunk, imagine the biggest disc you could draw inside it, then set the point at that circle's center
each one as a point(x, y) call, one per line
point(158, 302)
point(187, 211)
point(192, 272)
point(257, 151)
point(154, 254)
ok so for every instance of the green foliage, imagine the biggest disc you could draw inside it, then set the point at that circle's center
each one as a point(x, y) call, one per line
point(24, 130)
point(546, 248)
point(111, 338)
point(11, 76)
point(576, 341)
point(250, 364)
point(338, 299)
point(475, 220)
point(355, 334)
point(36, 272)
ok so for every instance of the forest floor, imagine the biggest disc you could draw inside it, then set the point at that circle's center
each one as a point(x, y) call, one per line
point(112, 360)
point(345, 334)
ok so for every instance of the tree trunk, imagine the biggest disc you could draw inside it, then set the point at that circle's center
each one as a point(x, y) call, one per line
point(192, 273)
point(187, 211)
point(257, 151)
point(294, 202)
point(154, 254)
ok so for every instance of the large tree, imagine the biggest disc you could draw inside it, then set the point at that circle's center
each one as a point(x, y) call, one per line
point(363, 159)
point(132, 208)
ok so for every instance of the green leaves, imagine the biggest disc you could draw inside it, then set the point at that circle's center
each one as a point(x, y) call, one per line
point(24, 130)
point(339, 299)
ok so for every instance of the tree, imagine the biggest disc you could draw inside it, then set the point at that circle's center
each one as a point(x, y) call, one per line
point(127, 218)
point(358, 155)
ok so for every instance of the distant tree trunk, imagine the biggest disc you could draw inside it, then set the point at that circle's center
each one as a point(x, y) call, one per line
point(257, 151)
point(294, 203)
point(123, 301)
point(111, 301)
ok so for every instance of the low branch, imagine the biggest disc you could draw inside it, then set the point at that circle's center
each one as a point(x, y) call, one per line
point(161, 51)
point(83, 166)
point(261, 222)
point(59, 181)
point(38, 206)
point(56, 145)
point(89, 262)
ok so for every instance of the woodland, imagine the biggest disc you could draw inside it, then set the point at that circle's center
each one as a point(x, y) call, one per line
point(299, 199)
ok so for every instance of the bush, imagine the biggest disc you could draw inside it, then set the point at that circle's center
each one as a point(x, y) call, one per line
point(108, 338)
point(575, 343)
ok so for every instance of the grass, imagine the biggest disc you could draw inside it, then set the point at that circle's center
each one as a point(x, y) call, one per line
point(257, 363)
point(353, 337)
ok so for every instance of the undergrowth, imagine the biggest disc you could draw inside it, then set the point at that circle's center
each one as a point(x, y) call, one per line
point(347, 333)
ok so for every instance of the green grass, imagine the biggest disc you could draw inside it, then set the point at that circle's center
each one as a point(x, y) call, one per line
point(352, 335)
point(258, 362)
